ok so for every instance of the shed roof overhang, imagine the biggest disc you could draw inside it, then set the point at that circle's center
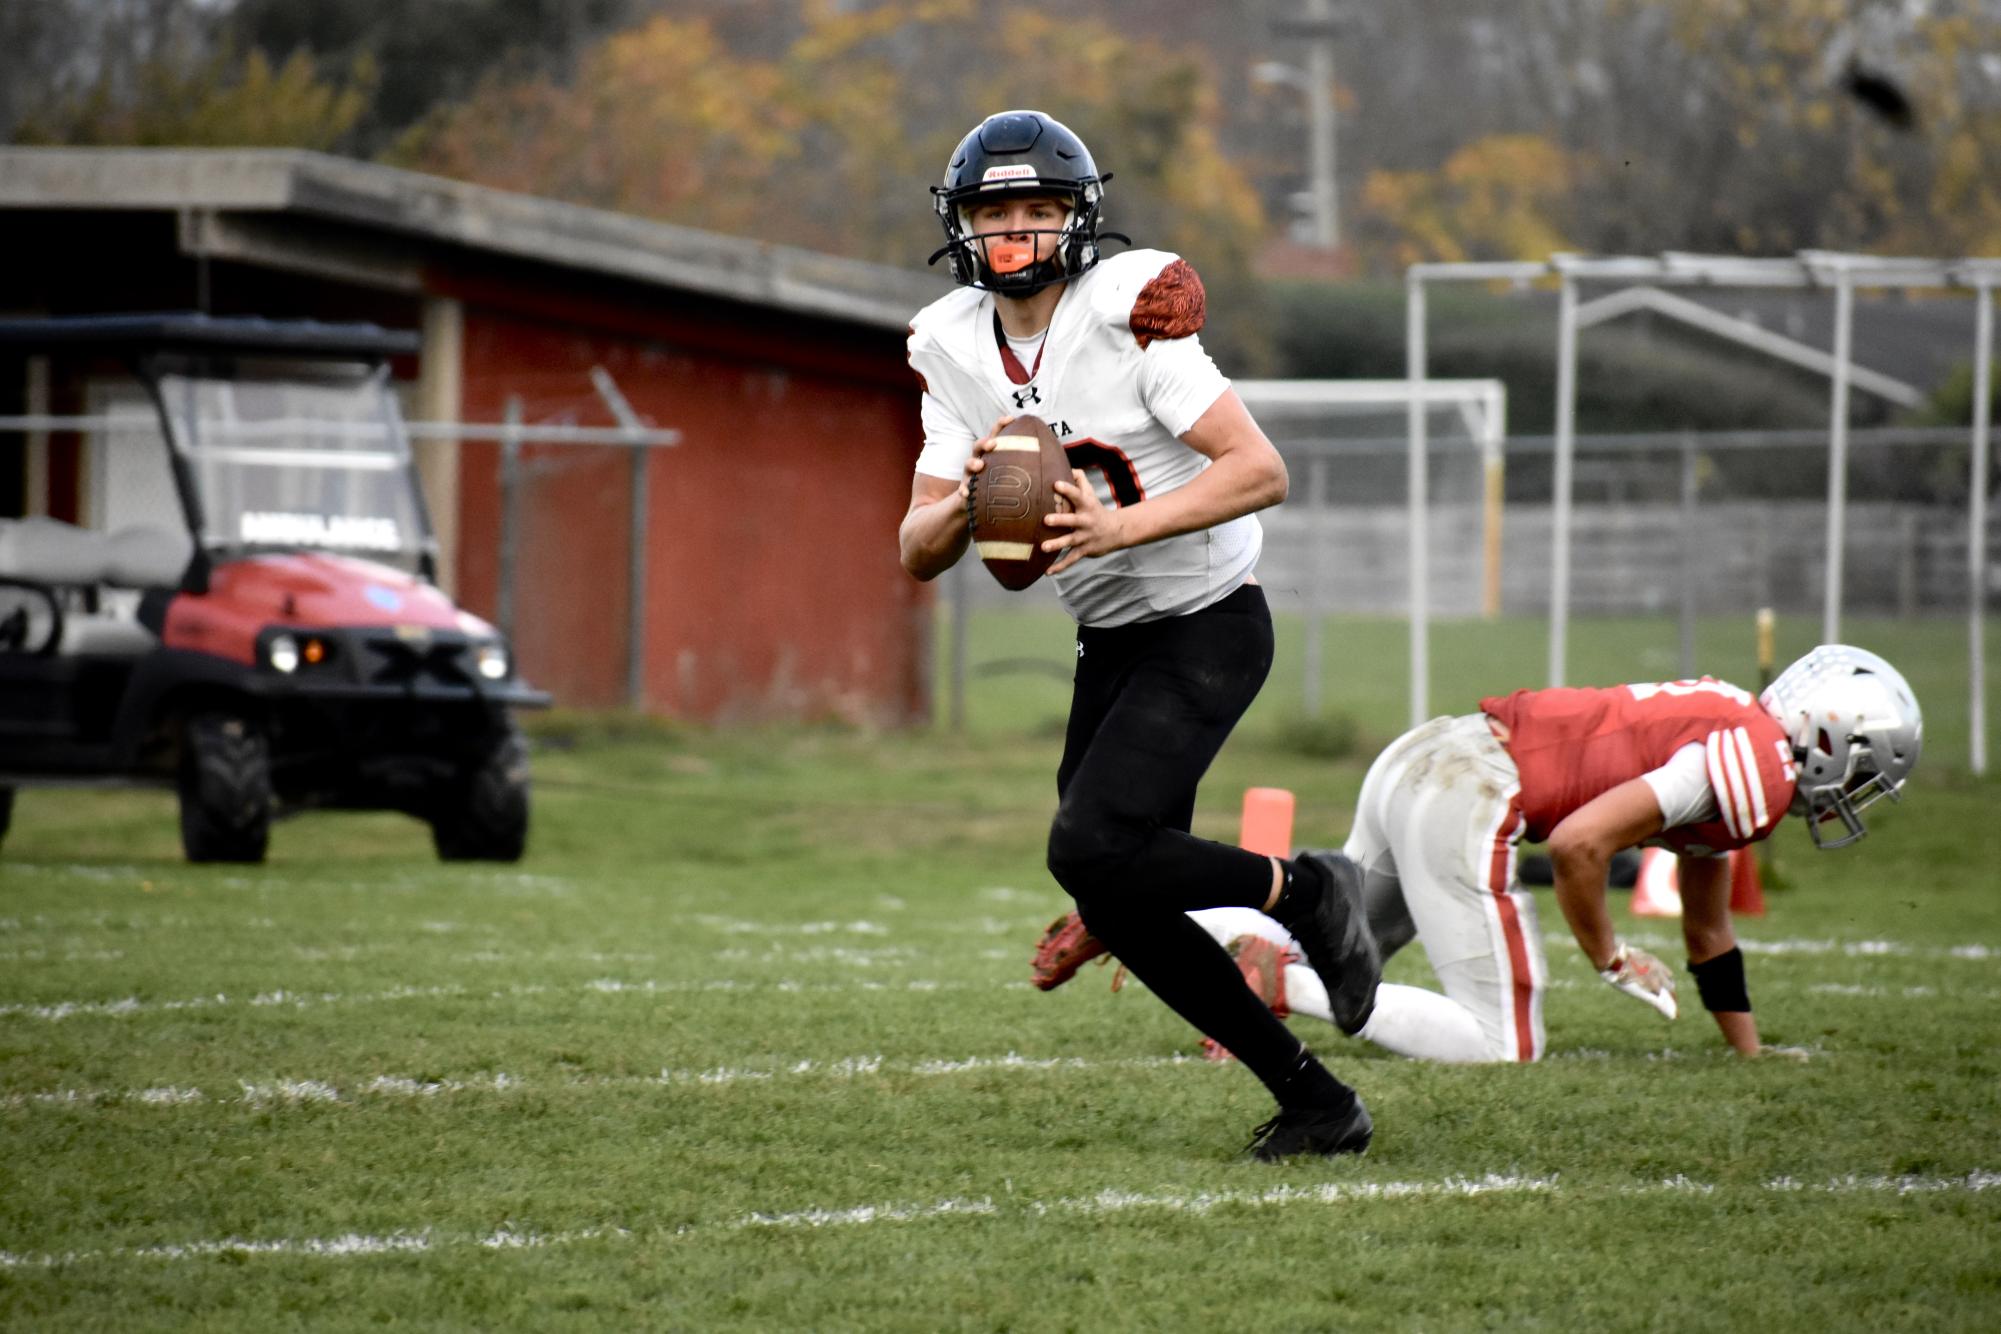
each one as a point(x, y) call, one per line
point(380, 226)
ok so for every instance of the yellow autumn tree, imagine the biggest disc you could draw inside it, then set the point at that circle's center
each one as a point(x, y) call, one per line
point(1501, 197)
point(1807, 158)
point(659, 120)
point(833, 143)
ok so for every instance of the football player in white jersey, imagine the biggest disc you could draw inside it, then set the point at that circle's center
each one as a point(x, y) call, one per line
point(1156, 555)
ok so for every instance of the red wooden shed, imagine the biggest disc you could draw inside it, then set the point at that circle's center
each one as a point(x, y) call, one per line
point(771, 587)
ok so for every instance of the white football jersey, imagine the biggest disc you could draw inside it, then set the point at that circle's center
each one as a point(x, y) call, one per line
point(1120, 377)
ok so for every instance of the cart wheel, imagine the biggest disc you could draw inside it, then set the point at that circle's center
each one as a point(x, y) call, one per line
point(225, 785)
point(486, 817)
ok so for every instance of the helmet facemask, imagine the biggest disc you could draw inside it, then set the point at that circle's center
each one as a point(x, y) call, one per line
point(1007, 263)
point(992, 261)
point(1845, 801)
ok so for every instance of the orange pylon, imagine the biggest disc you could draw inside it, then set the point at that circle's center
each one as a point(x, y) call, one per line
point(1657, 893)
point(1267, 825)
point(1747, 892)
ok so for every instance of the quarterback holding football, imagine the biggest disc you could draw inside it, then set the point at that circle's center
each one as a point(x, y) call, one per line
point(1154, 547)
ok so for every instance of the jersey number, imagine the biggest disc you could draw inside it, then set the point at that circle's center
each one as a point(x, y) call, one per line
point(1112, 465)
point(1647, 690)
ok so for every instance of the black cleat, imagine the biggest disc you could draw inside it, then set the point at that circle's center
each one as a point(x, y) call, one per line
point(1317, 1130)
point(1332, 928)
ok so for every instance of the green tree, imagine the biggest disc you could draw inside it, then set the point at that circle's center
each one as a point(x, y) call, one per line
point(218, 100)
point(426, 52)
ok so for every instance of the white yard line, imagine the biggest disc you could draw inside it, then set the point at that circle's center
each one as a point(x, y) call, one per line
point(1109, 1200)
point(129, 1006)
point(303, 1092)
point(1853, 949)
point(122, 1007)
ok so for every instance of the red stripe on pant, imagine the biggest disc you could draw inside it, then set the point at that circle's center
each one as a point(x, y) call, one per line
point(1498, 882)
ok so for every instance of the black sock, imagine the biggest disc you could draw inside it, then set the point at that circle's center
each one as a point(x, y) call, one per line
point(1195, 976)
point(1299, 892)
point(1311, 1084)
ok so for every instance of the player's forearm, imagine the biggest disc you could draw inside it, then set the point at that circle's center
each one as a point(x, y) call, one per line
point(1232, 486)
point(1579, 874)
point(933, 536)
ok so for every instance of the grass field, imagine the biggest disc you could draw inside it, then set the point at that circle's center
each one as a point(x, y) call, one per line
point(746, 1043)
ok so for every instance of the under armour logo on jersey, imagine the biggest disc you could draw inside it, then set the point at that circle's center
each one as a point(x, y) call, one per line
point(1023, 397)
point(1080, 648)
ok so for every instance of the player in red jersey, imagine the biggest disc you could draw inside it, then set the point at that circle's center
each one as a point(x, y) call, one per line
point(1699, 767)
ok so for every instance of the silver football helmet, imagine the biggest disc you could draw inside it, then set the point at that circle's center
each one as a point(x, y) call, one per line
point(1855, 729)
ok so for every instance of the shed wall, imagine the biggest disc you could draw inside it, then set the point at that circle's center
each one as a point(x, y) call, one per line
point(773, 585)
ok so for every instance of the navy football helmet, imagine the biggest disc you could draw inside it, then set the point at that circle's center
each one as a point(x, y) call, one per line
point(1020, 153)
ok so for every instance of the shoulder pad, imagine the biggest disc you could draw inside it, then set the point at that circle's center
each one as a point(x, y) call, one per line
point(1171, 306)
point(1750, 771)
point(1149, 294)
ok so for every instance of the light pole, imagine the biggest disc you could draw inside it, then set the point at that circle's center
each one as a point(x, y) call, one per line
point(1316, 83)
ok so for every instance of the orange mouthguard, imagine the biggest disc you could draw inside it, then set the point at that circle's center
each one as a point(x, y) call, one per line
point(1010, 256)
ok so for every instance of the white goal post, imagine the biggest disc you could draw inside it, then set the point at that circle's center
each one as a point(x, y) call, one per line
point(1481, 407)
point(1840, 275)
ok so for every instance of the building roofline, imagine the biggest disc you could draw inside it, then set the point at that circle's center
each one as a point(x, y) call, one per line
point(434, 209)
point(191, 331)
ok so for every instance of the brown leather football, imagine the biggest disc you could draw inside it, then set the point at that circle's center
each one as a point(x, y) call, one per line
point(1012, 495)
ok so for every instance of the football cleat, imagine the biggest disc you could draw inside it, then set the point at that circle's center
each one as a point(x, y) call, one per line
point(1332, 928)
point(1263, 966)
point(1066, 945)
point(1317, 1130)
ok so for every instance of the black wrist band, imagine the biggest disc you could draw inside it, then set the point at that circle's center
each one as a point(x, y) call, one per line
point(1721, 982)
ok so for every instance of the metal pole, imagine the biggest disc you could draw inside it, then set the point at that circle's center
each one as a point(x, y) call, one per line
point(961, 595)
point(1837, 455)
point(635, 580)
point(1316, 566)
point(510, 514)
point(1494, 470)
point(1688, 557)
point(1320, 107)
point(1420, 610)
point(636, 537)
point(1566, 446)
point(1976, 536)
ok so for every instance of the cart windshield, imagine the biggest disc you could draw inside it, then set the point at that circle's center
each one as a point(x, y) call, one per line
point(297, 456)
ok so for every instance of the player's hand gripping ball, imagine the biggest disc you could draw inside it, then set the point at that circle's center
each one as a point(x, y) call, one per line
point(1008, 499)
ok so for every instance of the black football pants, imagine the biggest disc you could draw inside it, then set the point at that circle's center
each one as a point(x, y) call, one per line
point(1152, 704)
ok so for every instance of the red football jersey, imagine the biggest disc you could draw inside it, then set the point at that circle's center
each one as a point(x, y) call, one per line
point(1571, 744)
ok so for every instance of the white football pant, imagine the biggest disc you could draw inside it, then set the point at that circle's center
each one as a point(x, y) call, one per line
point(1435, 836)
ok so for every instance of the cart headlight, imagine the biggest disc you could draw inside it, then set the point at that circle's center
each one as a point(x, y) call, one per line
point(491, 660)
point(283, 653)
